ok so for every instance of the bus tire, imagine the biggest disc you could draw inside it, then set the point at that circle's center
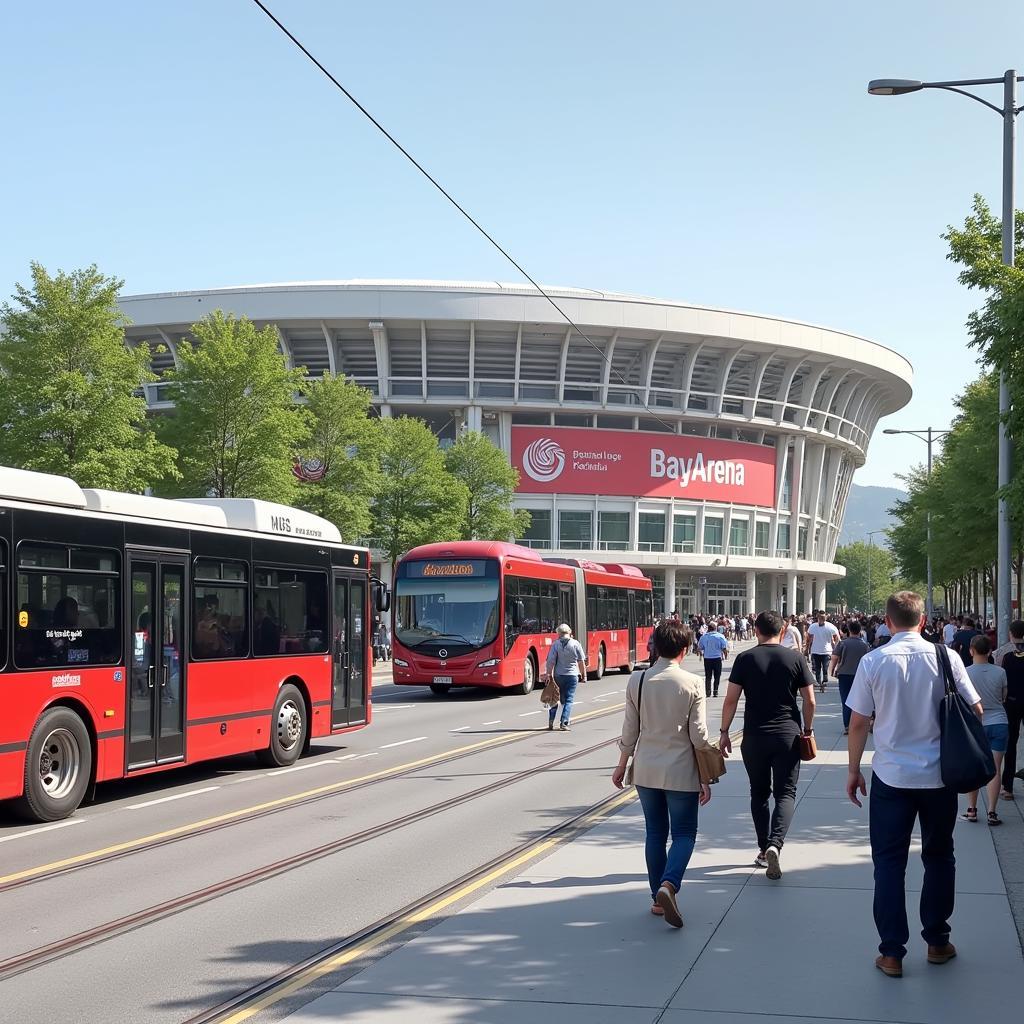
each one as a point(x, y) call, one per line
point(627, 668)
point(599, 671)
point(288, 728)
point(439, 689)
point(58, 766)
point(529, 675)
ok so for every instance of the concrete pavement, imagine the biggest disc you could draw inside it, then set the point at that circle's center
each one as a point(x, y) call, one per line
point(571, 939)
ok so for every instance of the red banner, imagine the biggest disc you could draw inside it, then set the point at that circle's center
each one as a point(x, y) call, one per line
point(561, 460)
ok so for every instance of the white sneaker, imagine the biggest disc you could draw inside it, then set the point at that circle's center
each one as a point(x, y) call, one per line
point(771, 855)
point(760, 862)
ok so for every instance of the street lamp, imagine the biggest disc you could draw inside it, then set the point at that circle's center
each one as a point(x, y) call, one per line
point(871, 595)
point(928, 436)
point(1008, 112)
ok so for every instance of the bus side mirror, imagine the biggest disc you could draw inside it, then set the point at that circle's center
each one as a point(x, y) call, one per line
point(518, 614)
point(382, 597)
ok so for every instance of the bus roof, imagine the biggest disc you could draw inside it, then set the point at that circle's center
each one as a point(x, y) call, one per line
point(473, 549)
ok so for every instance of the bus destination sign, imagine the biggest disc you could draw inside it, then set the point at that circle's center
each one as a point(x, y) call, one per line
point(462, 567)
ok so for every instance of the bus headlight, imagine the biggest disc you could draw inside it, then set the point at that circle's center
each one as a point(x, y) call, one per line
point(400, 663)
point(489, 663)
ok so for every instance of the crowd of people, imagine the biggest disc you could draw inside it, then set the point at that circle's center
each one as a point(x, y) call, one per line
point(891, 677)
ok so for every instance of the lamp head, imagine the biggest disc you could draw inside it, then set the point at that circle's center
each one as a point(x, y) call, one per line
point(893, 86)
point(891, 430)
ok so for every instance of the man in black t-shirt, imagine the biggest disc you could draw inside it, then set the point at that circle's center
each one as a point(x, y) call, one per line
point(770, 677)
point(962, 641)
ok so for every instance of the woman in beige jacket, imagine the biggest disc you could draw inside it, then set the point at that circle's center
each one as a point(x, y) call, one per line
point(663, 726)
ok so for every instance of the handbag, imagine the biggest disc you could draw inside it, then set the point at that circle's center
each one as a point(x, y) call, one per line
point(965, 757)
point(639, 703)
point(808, 747)
point(549, 695)
point(710, 760)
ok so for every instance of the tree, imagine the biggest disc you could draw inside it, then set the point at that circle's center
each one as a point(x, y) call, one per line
point(235, 424)
point(854, 590)
point(343, 446)
point(68, 385)
point(417, 499)
point(490, 485)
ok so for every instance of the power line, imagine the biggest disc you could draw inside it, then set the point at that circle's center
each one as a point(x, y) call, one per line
point(458, 206)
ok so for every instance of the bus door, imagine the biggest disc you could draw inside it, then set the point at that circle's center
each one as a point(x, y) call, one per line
point(632, 626)
point(156, 663)
point(348, 652)
point(566, 605)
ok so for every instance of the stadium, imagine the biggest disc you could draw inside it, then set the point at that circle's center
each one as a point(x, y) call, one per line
point(713, 449)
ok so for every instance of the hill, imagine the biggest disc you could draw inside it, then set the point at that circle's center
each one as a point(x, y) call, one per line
point(867, 509)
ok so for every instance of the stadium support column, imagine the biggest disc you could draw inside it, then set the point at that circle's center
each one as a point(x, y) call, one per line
point(791, 608)
point(821, 595)
point(670, 591)
point(775, 597)
point(751, 592)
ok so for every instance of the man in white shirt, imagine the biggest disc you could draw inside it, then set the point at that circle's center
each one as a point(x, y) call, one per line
point(791, 635)
point(821, 637)
point(901, 684)
point(948, 632)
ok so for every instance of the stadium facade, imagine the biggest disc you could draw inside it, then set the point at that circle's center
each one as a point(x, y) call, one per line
point(713, 449)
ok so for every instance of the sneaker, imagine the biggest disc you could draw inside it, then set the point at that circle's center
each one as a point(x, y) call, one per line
point(564, 727)
point(666, 899)
point(771, 855)
point(760, 861)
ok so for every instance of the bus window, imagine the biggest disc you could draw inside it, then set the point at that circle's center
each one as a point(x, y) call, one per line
point(220, 598)
point(288, 612)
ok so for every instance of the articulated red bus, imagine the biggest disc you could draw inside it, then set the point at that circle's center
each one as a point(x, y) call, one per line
point(139, 634)
point(478, 613)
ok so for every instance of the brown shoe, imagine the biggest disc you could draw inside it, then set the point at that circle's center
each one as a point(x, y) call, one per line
point(941, 954)
point(666, 899)
point(890, 966)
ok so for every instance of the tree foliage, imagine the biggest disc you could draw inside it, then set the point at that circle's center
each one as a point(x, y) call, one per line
point(859, 589)
point(235, 424)
point(68, 385)
point(490, 483)
point(417, 499)
point(345, 444)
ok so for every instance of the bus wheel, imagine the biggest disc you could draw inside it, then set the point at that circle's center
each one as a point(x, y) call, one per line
point(439, 689)
point(599, 671)
point(58, 765)
point(529, 676)
point(287, 729)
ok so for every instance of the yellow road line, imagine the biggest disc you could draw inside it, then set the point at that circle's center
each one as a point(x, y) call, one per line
point(333, 787)
point(317, 971)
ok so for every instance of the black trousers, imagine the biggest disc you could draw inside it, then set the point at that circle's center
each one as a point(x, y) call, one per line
point(892, 813)
point(820, 663)
point(772, 761)
point(1015, 713)
point(712, 670)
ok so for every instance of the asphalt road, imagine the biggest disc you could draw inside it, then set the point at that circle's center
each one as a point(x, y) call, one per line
point(105, 864)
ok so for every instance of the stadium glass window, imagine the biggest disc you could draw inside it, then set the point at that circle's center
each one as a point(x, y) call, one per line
point(762, 538)
point(575, 530)
point(565, 419)
point(684, 534)
point(68, 607)
point(782, 543)
point(613, 531)
point(713, 529)
point(538, 533)
point(652, 531)
point(289, 612)
point(220, 602)
point(739, 537)
point(531, 419)
point(802, 548)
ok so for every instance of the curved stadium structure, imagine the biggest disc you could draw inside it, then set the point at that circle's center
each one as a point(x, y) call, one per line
point(713, 449)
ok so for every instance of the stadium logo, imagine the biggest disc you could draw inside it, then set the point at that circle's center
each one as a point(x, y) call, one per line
point(543, 460)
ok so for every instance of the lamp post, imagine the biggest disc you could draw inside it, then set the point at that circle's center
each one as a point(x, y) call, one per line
point(928, 436)
point(871, 595)
point(1008, 112)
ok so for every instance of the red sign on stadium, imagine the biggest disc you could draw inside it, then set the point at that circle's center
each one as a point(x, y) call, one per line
point(559, 460)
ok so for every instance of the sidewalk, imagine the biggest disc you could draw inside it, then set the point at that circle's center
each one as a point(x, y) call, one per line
point(571, 940)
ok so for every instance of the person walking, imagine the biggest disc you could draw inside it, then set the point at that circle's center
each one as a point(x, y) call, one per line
point(1013, 666)
point(845, 659)
point(567, 663)
point(990, 682)
point(791, 637)
point(770, 677)
point(822, 636)
point(714, 649)
point(962, 640)
point(902, 685)
point(663, 726)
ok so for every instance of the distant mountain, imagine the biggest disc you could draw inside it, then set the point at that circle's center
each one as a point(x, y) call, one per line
point(867, 509)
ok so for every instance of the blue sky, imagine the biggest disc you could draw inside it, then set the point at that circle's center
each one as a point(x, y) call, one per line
point(725, 154)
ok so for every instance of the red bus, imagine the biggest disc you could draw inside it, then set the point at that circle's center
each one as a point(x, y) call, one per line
point(481, 613)
point(138, 634)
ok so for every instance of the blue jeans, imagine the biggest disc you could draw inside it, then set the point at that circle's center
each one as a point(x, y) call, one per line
point(845, 686)
point(668, 810)
point(891, 814)
point(567, 691)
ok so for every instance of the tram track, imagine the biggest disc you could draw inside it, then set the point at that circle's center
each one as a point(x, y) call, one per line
point(206, 826)
point(42, 955)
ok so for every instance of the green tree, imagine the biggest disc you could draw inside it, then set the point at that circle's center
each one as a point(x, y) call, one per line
point(344, 443)
point(68, 385)
point(490, 485)
point(236, 424)
point(417, 499)
point(854, 590)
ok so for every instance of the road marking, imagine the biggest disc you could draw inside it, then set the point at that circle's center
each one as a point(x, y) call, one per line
point(391, 707)
point(497, 721)
point(403, 924)
point(282, 801)
point(43, 828)
point(168, 799)
point(296, 768)
point(372, 753)
point(347, 757)
point(461, 728)
point(248, 777)
point(540, 711)
point(402, 743)
point(610, 693)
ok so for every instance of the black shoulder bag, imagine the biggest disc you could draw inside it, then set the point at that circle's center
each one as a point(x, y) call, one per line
point(965, 756)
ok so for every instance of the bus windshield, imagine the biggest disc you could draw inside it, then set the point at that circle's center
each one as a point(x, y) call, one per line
point(454, 611)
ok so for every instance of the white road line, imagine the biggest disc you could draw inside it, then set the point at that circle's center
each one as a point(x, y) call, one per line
point(497, 721)
point(168, 799)
point(372, 753)
point(248, 777)
point(538, 712)
point(297, 768)
point(461, 728)
point(610, 693)
point(44, 828)
point(402, 743)
point(391, 707)
point(347, 757)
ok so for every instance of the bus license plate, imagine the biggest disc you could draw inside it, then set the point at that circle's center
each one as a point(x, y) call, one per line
point(443, 680)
